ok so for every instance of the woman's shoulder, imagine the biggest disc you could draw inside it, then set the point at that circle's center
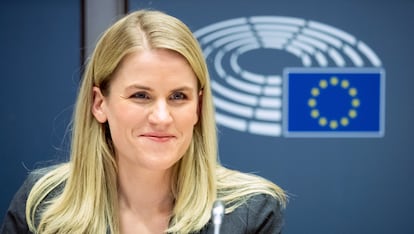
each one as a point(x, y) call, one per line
point(260, 213)
point(38, 173)
point(15, 218)
point(258, 206)
point(253, 204)
point(236, 185)
point(31, 180)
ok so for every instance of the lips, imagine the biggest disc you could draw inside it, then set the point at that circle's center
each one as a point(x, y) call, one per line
point(158, 137)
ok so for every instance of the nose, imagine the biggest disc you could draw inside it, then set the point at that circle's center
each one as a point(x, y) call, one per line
point(160, 113)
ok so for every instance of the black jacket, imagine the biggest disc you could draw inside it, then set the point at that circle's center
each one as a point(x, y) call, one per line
point(260, 214)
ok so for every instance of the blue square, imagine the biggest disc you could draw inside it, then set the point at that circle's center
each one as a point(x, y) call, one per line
point(333, 102)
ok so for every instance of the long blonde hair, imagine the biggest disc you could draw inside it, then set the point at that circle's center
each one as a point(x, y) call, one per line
point(88, 202)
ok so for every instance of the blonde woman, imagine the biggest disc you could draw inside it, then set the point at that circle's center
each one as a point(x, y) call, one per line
point(144, 151)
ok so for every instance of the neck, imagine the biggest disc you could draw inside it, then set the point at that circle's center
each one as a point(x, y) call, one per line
point(144, 191)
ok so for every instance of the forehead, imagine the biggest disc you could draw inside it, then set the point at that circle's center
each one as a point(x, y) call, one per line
point(155, 66)
point(144, 56)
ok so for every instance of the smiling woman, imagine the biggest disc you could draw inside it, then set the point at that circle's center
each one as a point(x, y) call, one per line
point(144, 147)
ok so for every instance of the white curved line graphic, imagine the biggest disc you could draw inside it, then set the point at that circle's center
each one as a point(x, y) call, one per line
point(236, 109)
point(373, 58)
point(324, 37)
point(321, 59)
point(275, 28)
point(214, 27)
point(277, 20)
point(231, 122)
point(275, 102)
point(266, 129)
point(244, 86)
point(336, 57)
point(353, 55)
point(333, 31)
point(272, 91)
point(269, 115)
point(313, 42)
point(225, 32)
point(243, 98)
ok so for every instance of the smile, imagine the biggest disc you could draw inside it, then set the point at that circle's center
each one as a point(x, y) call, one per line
point(158, 137)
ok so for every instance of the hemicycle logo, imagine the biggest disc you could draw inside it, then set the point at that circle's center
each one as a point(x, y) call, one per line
point(250, 101)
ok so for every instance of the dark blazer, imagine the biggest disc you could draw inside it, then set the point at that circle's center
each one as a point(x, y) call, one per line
point(260, 214)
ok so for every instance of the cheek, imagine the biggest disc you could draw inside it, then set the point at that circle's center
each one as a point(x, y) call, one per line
point(186, 119)
point(123, 116)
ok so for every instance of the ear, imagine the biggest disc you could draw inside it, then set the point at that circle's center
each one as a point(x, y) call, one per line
point(97, 105)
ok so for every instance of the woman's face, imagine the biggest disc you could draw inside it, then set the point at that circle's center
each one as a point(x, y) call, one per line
point(151, 109)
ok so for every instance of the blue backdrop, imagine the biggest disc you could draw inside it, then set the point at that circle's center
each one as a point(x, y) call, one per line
point(40, 68)
point(336, 184)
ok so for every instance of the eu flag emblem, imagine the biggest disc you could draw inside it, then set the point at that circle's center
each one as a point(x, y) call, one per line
point(333, 102)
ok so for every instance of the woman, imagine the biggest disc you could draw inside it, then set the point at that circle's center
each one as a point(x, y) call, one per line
point(144, 150)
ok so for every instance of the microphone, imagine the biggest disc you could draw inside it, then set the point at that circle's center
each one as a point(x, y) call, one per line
point(217, 214)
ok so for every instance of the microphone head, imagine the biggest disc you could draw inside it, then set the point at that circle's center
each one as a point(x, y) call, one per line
point(217, 212)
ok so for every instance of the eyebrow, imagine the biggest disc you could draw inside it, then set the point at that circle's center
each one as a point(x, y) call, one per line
point(142, 87)
point(137, 86)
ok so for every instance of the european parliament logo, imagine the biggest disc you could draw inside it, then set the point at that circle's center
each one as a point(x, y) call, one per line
point(334, 102)
point(337, 89)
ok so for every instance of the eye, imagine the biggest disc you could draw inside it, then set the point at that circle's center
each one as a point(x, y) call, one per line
point(140, 95)
point(178, 96)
